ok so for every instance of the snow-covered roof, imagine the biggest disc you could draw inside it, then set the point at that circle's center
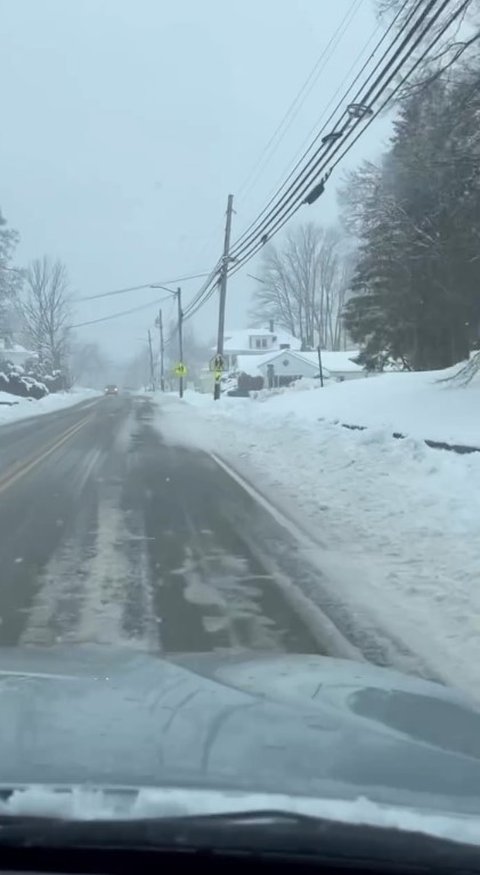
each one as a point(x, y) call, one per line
point(239, 340)
point(332, 362)
point(14, 352)
point(249, 364)
point(10, 346)
point(335, 362)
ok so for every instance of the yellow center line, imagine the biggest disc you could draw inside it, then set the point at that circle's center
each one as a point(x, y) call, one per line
point(20, 469)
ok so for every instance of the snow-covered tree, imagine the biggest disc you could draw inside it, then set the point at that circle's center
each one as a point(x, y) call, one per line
point(417, 214)
point(45, 310)
point(10, 277)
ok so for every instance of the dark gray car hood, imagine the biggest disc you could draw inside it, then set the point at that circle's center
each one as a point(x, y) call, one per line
point(297, 725)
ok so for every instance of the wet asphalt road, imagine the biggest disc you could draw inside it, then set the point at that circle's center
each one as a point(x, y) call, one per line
point(109, 535)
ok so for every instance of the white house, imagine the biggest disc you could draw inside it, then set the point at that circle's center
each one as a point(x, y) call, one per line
point(254, 341)
point(282, 367)
point(248, 342)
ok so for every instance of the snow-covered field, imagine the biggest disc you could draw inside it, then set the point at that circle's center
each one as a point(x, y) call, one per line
point(396, 522)
point(13, 408)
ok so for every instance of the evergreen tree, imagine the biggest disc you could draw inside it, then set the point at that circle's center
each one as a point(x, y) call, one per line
point(416, 287)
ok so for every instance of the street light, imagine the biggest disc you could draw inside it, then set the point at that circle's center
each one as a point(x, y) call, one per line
point(178, 294)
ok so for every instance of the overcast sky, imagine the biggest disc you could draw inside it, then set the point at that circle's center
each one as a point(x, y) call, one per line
point(126, 123)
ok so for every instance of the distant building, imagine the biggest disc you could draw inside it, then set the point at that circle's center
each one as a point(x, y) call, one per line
point(14, 352)
point(252, 341)
point(248, 342)
point(282, 367)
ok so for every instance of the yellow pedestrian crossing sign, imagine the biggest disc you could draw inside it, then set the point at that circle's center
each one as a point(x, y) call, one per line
point(180, 369)
point(217, 363)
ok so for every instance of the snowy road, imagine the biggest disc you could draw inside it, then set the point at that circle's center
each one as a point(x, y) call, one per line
point(110, 535)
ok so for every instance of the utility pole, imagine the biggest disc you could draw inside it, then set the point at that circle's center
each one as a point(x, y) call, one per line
point(180, 339)
point(152, 369)
point(319, 350)
point(162, 351)
point(223, 297)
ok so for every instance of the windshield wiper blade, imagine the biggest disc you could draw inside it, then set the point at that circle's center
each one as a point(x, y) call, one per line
point(153, 830)
point(259, 832)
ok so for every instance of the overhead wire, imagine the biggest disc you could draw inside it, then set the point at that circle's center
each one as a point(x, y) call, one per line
point(178, 279)
point(370, 120)
point(299, 99)
point(286, 210)
point(259, 225)
point(212, 277)
point(303, 181)
point(436, 39)
point(296, 161)
point(206, 291)
point(246, 185)
point(120, 313)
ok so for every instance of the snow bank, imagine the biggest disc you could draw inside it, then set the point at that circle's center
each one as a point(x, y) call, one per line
point(397, 523)
point(420, 405)
point(13, 408)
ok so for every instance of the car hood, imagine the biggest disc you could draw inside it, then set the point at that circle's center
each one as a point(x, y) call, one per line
point(309, 726)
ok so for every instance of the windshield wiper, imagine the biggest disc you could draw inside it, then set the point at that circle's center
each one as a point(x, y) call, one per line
point(261, 832)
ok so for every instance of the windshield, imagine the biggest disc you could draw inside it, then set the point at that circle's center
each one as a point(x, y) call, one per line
point(239, 404)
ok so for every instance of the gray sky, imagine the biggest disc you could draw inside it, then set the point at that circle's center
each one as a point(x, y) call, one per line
point(125, 124)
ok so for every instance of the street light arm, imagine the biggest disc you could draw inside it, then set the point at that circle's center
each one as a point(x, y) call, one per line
point(165, 288)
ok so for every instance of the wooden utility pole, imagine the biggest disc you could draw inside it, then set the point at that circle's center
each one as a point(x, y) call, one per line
point(320, 367)
point(152, 368)
point(222, 301)
point(162, 351)
point(180, 339)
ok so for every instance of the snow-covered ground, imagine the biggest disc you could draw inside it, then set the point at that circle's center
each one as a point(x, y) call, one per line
point(13, 408)
point(396, 523)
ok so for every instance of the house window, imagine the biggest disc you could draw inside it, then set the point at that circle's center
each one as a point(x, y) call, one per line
point(264, 342)
point(285, 363)
point(258, 344)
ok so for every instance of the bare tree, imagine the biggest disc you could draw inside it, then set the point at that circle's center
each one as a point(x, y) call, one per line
point(303, 286)
point(88, 365)
point(46, 311)
point(10, 277)
point(457, 42)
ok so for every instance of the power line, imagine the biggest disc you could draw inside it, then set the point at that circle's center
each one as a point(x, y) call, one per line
point(212, 278)
point(285, 208)
point(295, 163)
point(178, 279)
point(329, 146)
point(314, 73)
point(207, 290)
point(300, 98)
point(120, 313)
point(282, 222)
point(445, 27)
